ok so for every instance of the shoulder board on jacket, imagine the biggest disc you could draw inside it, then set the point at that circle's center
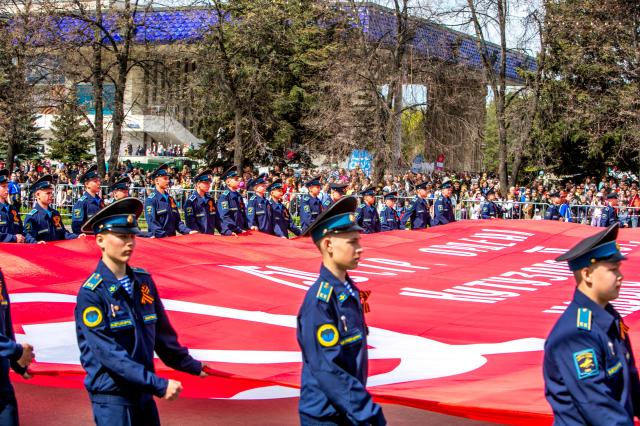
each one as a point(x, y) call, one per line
point(415, 198)
point(192, 197)
point(584, 319)
point(153, 194)
point(225, 192)
point(94, 280)
point(324, 291)
point(440, 198)
point(362, 206)
point(253, 197)
point(305, 198)
point(32, 212)
point(140, 271)
point(84, 197)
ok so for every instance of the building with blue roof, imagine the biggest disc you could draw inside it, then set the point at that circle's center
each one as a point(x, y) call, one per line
point(151, 121)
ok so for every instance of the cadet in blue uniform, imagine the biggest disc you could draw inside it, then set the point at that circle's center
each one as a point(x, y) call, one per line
point(119, 190)
point(120, 323)
point(590, 373)
point(15, 355)
point(281, 222)
point(15, 195)
point(90, 202)
point(389, 219)
point(490, 210)
point(310, 205)
point(366, 214)
point(609, 215)
point(443, 208)
point(44, 223)
point(332, 331)
point(161, 210)
point(418, 211)
point(10, 222)
point(553, 212)
point(231, 209)
point(258, 212)
point(336, 192)
point(200, 208)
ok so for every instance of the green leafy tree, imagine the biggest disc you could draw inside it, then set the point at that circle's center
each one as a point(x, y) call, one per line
point(71, 140)
point(590, 92)
point(258, 77)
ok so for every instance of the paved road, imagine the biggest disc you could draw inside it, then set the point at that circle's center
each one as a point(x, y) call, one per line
point(70, 407)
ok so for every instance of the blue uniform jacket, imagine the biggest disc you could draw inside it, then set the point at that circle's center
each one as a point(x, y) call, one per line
point(259, 214)
point(15, 195)
point(118, 335)
point(368, 219)
point(332, 334)
point(589, 370)
point(232, 214)
point(310, 208)
point(389, 219)
point(553, 213)
point(443, 211)
point(10, 351)
point(490, 210)
point(417, 213)
point(608, 217)
point(10, 223)
point(162, 216)
point(200, 214)
point(45, 225)
point(281, 220)
point(84, 209)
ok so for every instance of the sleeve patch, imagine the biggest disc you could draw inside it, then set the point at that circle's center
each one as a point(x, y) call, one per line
point(92, 316)
point(586, 363)
point(77, 213)
point(94, 280)
point(327, 335)
point(324, 291)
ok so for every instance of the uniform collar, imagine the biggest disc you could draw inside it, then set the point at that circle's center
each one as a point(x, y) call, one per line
point(47, 211)
point(110, 281)
point(91, 197)
point(338, 286)
point(604, 317)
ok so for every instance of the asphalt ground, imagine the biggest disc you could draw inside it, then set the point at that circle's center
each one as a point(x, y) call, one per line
point(40, 405)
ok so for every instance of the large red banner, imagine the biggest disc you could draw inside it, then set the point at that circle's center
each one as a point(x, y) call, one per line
point(459, 313)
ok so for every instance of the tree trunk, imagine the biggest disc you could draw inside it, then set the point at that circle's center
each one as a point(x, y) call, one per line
point(502, 141)
point(97, 80)
point(396, 123)
point(502, 82)
point(118, 114)
point(121, 83)
point(237, 139)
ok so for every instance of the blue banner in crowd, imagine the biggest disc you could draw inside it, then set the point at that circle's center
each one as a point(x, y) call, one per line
point(360, 158)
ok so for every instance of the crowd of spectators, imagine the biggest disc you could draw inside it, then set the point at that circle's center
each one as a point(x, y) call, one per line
point(584, 197)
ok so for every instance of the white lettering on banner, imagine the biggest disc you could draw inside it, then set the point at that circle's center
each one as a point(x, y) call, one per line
point(481, 242)
point(420, 358)
point(469, 291)
point(628, 300)
point(303, 279)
